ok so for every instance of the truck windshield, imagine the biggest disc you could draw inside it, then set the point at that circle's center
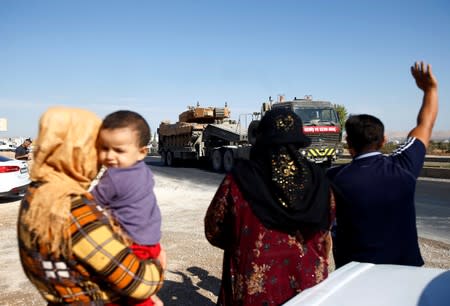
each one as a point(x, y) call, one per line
point(317, 116)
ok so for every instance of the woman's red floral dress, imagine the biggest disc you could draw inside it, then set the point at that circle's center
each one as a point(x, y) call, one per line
point(262, 266)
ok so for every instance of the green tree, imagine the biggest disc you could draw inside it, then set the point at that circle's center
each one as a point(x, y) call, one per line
point(342, 113)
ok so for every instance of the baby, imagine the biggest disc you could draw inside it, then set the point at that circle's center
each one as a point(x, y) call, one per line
point(126, 187)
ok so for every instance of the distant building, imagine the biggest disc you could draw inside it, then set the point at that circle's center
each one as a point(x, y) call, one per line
point(3, 125)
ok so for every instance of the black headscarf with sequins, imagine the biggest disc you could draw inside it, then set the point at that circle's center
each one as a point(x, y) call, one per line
point(284, 190)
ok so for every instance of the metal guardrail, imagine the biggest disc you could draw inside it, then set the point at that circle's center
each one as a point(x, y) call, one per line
point(437, 159)
point(429, 172)
point(428, 158)
point(439, 173)
point(436, 172)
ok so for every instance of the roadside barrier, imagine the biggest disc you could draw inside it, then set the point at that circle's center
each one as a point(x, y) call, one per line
point(440, 173)
point(429, 172)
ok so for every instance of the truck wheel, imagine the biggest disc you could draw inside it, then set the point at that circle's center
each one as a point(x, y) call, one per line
point(169, 158)
point(164, 158)
point(327, 164)
point(217, 160)
point(251, 133)
point(228, 160)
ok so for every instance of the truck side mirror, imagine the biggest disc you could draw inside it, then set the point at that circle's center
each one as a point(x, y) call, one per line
point(265, 107)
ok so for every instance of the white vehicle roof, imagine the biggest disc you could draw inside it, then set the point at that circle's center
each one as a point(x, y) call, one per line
point(365, 284)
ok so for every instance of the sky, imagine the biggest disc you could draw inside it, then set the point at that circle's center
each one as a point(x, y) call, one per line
point(158, 57)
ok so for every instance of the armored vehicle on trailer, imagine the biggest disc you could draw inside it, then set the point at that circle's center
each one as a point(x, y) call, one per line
point(203, 133)
point(208, 133)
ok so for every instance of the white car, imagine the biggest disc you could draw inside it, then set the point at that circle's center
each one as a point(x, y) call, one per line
point(14, 177)
point(367, 284)
point(6, 146)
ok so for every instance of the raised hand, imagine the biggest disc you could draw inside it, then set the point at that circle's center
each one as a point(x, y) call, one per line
point(423, 75)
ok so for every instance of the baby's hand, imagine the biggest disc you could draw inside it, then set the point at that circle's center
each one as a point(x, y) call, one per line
point(157, 301)
point(162, 257)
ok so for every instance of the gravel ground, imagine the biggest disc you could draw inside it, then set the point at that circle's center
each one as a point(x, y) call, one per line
point(194, 267)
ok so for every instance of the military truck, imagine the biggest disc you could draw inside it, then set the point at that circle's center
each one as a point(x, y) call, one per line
point(208, 133)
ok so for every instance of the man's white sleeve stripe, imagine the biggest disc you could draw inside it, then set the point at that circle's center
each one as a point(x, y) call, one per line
point(409, 142)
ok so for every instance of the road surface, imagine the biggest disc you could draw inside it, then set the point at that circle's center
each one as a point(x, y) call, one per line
point(194, 266)
point(433, 209)
point(432, 197)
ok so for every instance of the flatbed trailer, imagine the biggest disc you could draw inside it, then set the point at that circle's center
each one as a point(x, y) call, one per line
point(208, 134)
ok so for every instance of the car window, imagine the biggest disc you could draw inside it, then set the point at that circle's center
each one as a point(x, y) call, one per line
point(4, 158)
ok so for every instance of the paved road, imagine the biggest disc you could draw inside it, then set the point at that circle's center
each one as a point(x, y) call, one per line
point(433, 209)
point(432, 197)
point(194, 270)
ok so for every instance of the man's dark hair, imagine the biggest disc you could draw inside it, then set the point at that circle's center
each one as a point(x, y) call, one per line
point(364, 133)
point(125, 118)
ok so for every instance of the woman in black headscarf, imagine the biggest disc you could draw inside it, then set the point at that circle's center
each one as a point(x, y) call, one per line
point(272, 215)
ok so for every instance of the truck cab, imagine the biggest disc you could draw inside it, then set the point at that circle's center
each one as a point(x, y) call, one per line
point(321, 124)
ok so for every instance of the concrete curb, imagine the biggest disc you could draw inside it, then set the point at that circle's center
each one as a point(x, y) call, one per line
point(427, 172)
point(435, 173)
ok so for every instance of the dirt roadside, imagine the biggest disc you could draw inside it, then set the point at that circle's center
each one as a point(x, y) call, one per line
point(194, 266)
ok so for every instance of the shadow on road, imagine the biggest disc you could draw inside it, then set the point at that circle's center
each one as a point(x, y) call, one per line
point(186, 292)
